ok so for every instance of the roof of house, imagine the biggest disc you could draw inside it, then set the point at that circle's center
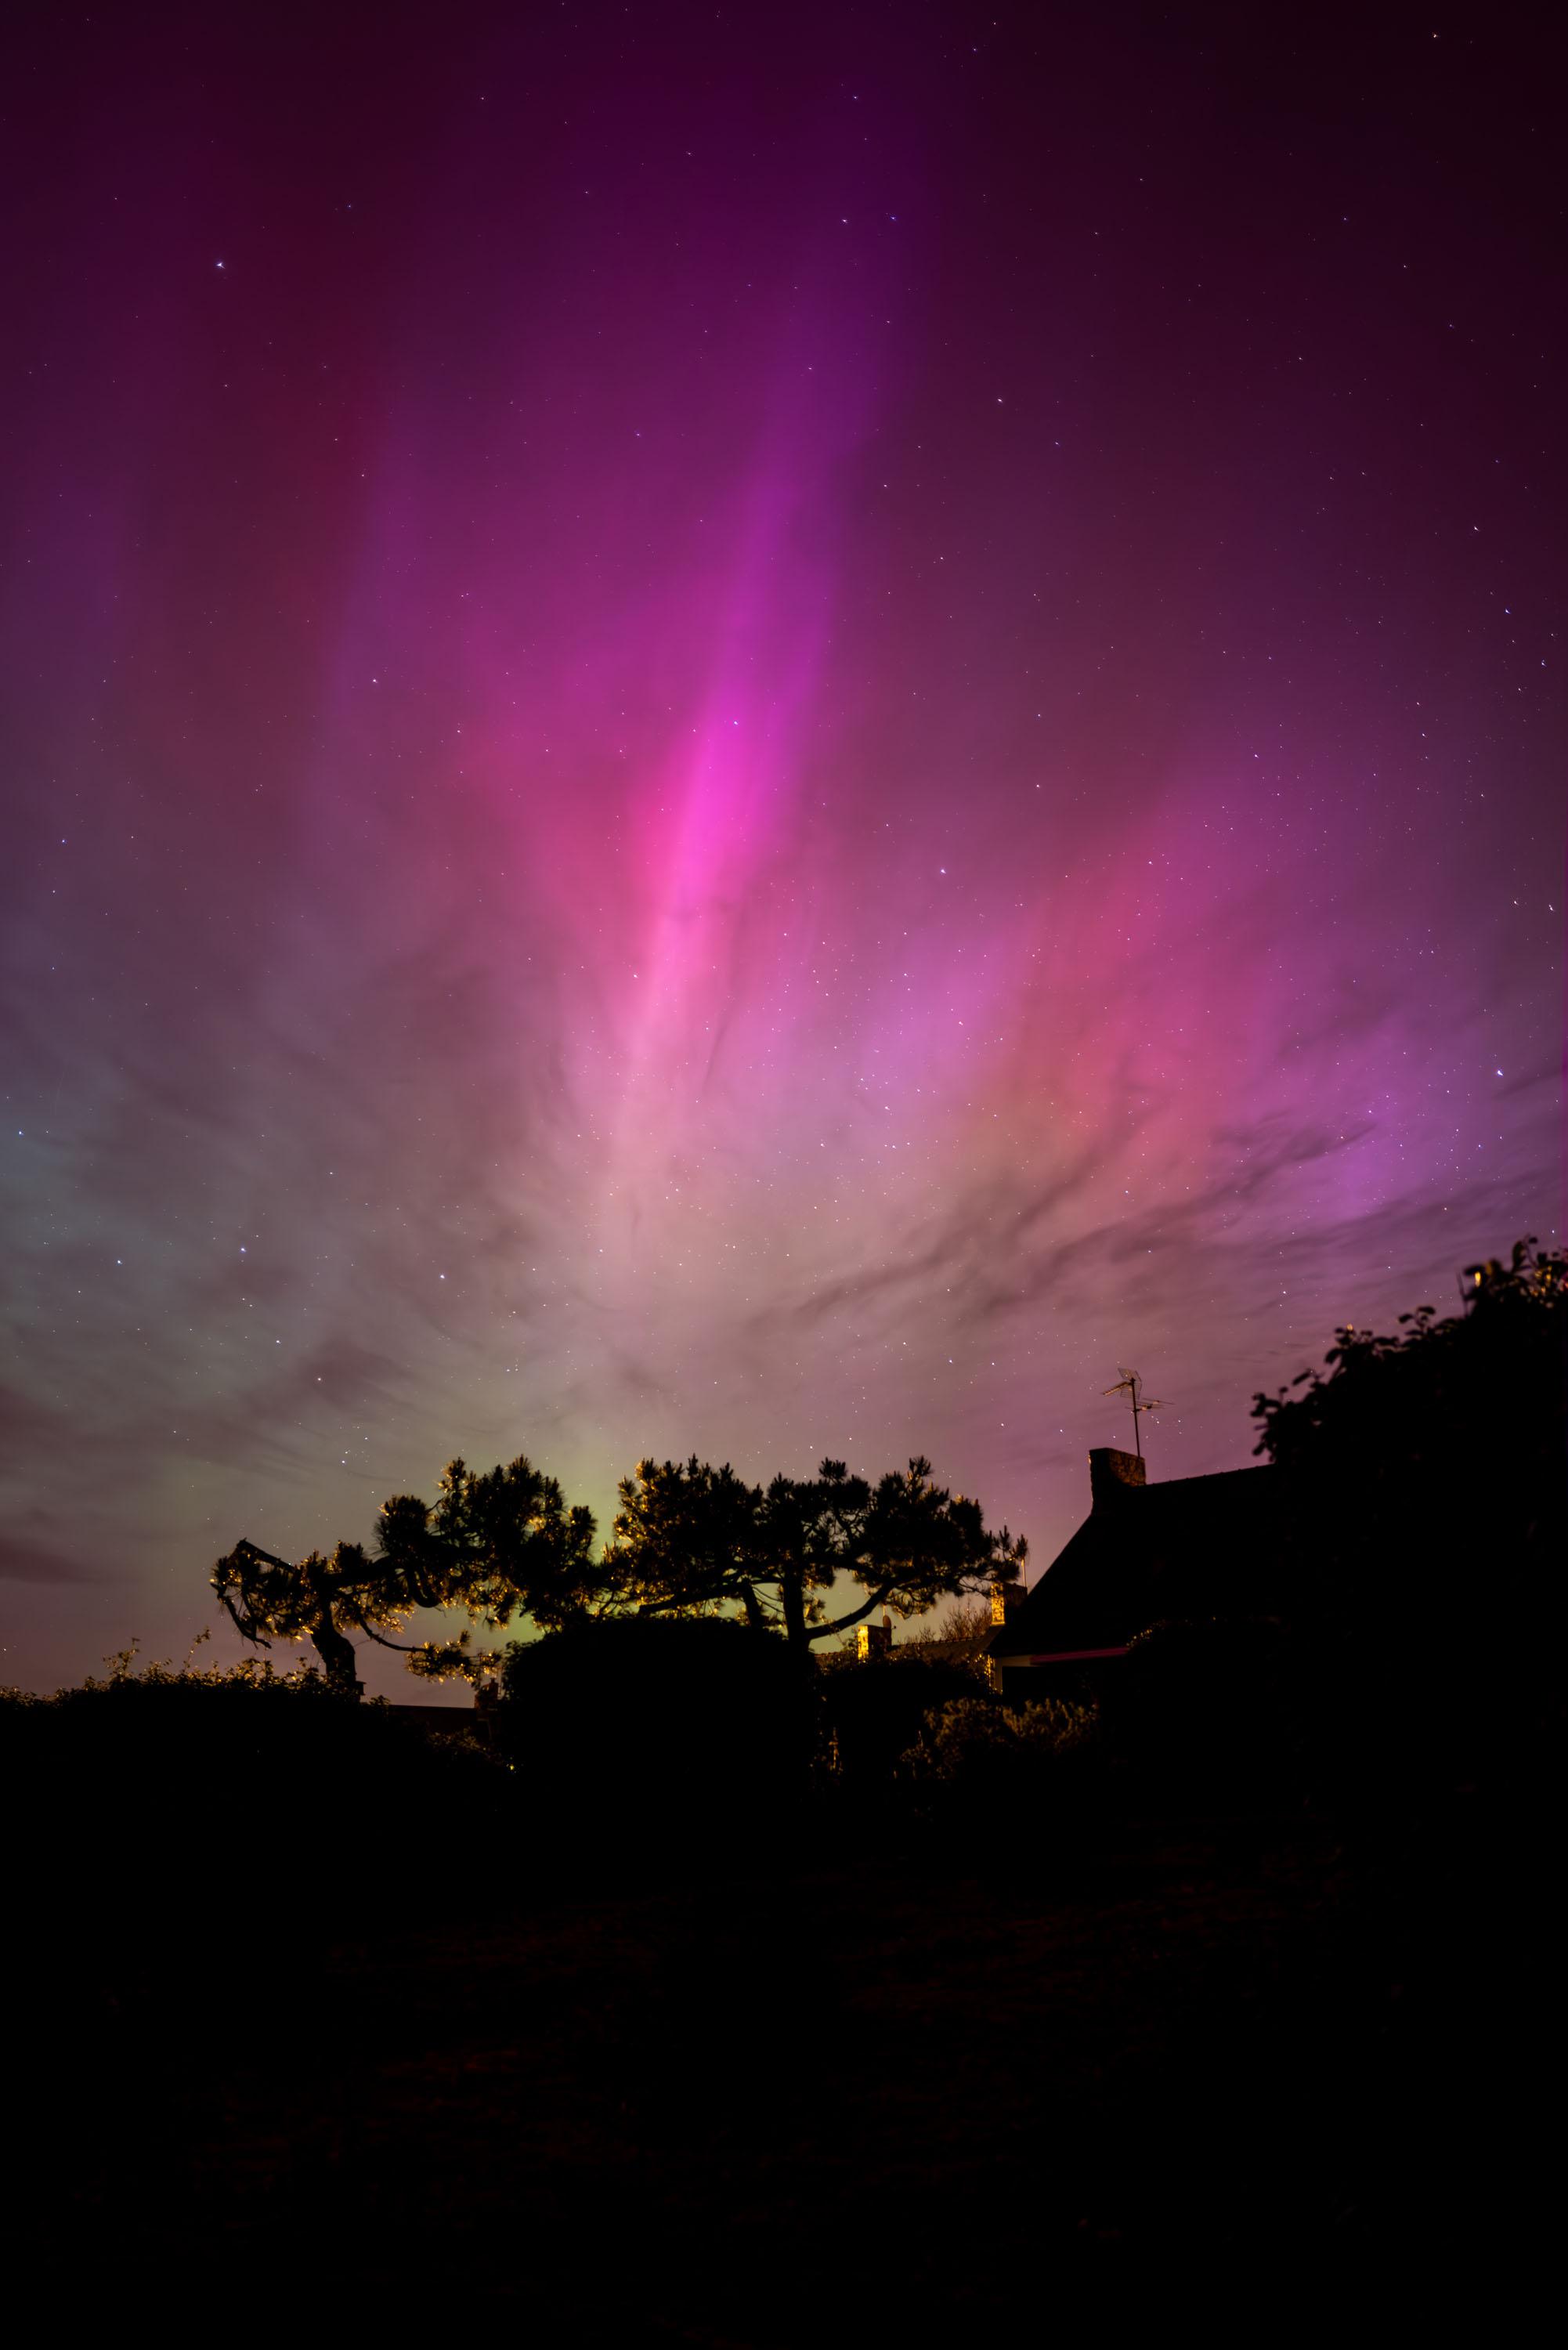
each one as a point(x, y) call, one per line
point(1147, 1553)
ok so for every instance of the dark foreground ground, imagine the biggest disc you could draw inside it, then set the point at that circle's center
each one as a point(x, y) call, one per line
point(884, 2096)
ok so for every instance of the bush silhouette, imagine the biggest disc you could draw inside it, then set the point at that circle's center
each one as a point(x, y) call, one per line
point(189, 1841)
point(1001, 1779)
point(1437, 1457)
point(873, 1713)
point(648, 1737)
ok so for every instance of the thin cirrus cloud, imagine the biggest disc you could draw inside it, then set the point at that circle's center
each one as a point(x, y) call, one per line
point(719, 778)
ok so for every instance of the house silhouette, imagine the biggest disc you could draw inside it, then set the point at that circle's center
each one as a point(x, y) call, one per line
point(1198, 1547)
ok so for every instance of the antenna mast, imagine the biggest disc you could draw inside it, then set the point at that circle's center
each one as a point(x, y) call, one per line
point(1131, 1386)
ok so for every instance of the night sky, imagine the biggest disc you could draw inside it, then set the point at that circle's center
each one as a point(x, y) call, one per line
point(765, 731)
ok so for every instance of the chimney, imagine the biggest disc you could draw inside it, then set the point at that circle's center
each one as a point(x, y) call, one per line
point(874, 1641)
point(1110, 1474)
point(1005, 1600)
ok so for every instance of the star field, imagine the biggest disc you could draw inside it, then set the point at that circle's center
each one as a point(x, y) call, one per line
point(762, 735)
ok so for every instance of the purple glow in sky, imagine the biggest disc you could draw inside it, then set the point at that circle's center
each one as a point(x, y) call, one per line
point(759, 736)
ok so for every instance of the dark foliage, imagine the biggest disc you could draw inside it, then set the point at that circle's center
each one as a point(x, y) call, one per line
point(1460, 1419)
point(688, 1536)
point(979, 1740)
point(873, 1713)
point(179, 1826)
point(689, 1539)
point(995, 1781)
point(1437, 1459)
point(660, 1740)
point(496, 1545)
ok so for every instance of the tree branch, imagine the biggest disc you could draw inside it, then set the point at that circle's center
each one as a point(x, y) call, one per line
point(403, 1648)
point(243, 1629)
point(842, 1623)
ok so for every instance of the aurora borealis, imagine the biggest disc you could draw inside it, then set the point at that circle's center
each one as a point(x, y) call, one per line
point(764, 733)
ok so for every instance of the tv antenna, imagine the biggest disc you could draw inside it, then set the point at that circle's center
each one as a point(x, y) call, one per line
point(1131, 1386)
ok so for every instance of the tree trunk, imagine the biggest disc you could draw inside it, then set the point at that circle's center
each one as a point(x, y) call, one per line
point(336, 1650)
point(753, 1607)
point(792, 1593)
